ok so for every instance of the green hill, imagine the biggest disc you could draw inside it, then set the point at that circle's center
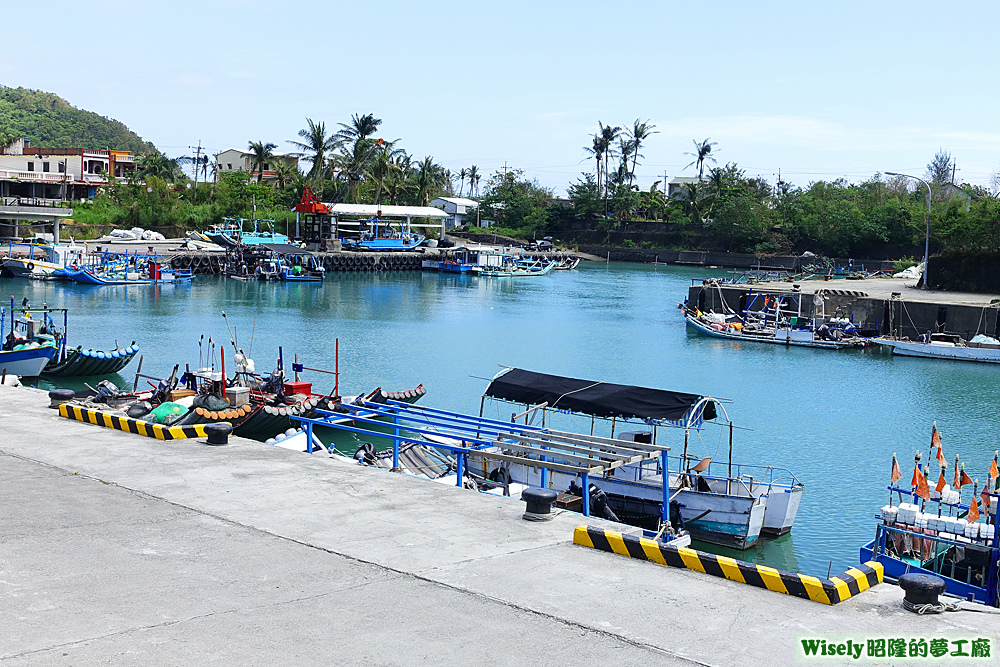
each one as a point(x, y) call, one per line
point(49, 121)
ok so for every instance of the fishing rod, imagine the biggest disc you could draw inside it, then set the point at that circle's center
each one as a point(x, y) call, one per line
point(232, 338)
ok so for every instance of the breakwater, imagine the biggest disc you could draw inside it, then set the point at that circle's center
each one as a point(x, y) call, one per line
point(729, 260)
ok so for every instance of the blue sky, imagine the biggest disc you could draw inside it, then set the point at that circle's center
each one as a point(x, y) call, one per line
point(818, 90)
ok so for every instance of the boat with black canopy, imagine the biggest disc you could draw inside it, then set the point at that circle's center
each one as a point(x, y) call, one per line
point(724, 503)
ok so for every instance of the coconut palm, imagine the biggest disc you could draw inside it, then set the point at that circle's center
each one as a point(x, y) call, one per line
point(315, 148)
point(640, 132)
point(285, 172)
point(702, 154)
point(159, 165)
point(261, 155)
point(608, 134)
point(474, 177)
point(430, 179)
point(383, 162)
point(692, 200)
point(462, 173)
point(597, 150)
point(360, 127)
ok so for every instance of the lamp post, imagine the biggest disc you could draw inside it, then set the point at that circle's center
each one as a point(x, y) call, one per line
point(927, 223)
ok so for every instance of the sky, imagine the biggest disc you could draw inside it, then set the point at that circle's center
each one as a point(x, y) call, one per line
point(816, 90)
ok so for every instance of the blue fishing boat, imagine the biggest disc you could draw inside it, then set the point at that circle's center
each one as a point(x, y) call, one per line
point(931, 530)
point(233, 233)
point(129, 269)
point(380, 235)
point(35, 336)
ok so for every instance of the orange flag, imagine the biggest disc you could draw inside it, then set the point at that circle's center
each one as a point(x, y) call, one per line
point(921, 483)
point(985, 495)
point(917, 476)
point(973, 510)
point(957, 484)
point(994, 473)
point(965, 479)
point(896, 473)
point(941, 483)
point(935, 436)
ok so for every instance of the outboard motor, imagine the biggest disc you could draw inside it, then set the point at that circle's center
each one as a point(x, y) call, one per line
point(599, 504)
point(366, 454)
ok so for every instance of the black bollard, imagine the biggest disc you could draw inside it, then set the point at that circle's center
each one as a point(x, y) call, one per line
point(218, 434)
point(538, 504)
point(59, 396)
point(921, 589)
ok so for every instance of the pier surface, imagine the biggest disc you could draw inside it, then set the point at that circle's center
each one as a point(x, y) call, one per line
point(118, 549)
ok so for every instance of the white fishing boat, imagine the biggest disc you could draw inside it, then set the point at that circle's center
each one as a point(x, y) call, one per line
point(944, 346)
point(26, 351)
point(42, 261)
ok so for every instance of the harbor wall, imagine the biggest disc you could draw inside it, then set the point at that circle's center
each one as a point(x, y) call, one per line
point(872, 315)
point(729, 260)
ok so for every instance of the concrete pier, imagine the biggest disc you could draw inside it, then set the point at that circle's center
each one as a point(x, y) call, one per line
point(118, 549)
point(885, 305)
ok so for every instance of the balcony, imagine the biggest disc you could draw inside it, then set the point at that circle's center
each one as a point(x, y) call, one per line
point(39, 176)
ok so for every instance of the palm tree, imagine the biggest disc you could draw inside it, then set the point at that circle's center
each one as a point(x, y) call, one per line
point(383, 162)
point(315, 147)
point(360, 127)
point(261, 155)
point(474, 176)
point(286, 172)
point(640, 132)
point(691, 199)
point(429, 180)
point(608, 134)
point(702, 153)
point(158, 165)
point(597, 150)
point(462, 173)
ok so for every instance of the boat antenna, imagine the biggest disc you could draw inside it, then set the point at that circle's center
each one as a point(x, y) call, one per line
point(252, 332)
point(201, 361)
point(232, 339)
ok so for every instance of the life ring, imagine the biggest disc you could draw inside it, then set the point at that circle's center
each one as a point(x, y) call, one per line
point(31, 266)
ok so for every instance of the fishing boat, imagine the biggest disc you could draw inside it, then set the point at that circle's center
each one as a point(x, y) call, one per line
point(129, 269)
point(35, 329)
point(566, 264)
point(776, 319)
point(519, 268)
point(469, 260)
point(273, 262)
point(233, 233)
point(43, 262)
point(380, 235)
point(943, 346)
point(729, 504)
point(932, 530)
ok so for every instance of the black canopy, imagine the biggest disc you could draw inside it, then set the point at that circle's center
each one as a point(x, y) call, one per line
point(600, 399)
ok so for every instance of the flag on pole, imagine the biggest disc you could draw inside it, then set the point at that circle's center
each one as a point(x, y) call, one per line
point(935, 437)
point(994, 473)
point(985, 495)
point(973, 510)
point(957, 484)
point(920, 482)
point(941, 483)
point(896, 473)
point(965, 479)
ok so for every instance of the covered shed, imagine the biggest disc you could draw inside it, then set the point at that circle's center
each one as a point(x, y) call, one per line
point(356, 213)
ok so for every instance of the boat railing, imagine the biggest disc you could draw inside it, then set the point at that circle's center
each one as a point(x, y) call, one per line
point(761, 474)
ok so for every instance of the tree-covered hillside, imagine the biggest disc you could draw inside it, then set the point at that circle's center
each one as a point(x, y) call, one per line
point(49, 121)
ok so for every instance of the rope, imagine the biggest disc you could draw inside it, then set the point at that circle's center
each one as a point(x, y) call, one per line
point(932, 608)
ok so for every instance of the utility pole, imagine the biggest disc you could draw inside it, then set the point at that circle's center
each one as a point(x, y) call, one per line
point(197, 166)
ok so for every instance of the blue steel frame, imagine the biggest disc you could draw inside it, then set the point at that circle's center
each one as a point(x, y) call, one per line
point(397, 411)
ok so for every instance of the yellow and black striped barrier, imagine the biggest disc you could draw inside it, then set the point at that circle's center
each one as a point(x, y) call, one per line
point(130, 425)
point(828, 591)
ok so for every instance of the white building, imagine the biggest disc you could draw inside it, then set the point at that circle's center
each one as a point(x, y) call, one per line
point(59, 173)
point(457, 208)
point(234, 159)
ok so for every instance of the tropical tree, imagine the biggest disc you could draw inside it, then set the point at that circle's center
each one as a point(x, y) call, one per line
point(315, 147)
point(597, 150)
point(261, 155)
point(474, 176)
point(702, 154)
point(641, 130)
point(462, 173)
point(608, 134)
point(692, 200)
point(383, 161)
point(360, 128)
point(159, 165)
point(285, 172)
point(430, 179)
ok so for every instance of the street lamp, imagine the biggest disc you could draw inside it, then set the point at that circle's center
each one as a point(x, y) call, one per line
point(927, 222)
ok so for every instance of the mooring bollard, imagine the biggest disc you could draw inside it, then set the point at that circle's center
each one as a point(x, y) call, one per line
point(60, 396)
point(539, 504)
point(921, 592)
point(218, 434)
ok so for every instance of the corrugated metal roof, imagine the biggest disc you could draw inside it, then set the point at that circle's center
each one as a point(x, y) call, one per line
point(387, 210)
point(459, 201)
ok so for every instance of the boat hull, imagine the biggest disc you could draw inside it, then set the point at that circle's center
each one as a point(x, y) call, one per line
point(894, 568)
point(26, 363)
point(932, 351)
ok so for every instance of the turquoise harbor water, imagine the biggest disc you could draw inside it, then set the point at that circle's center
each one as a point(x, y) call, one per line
point(833, 418)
